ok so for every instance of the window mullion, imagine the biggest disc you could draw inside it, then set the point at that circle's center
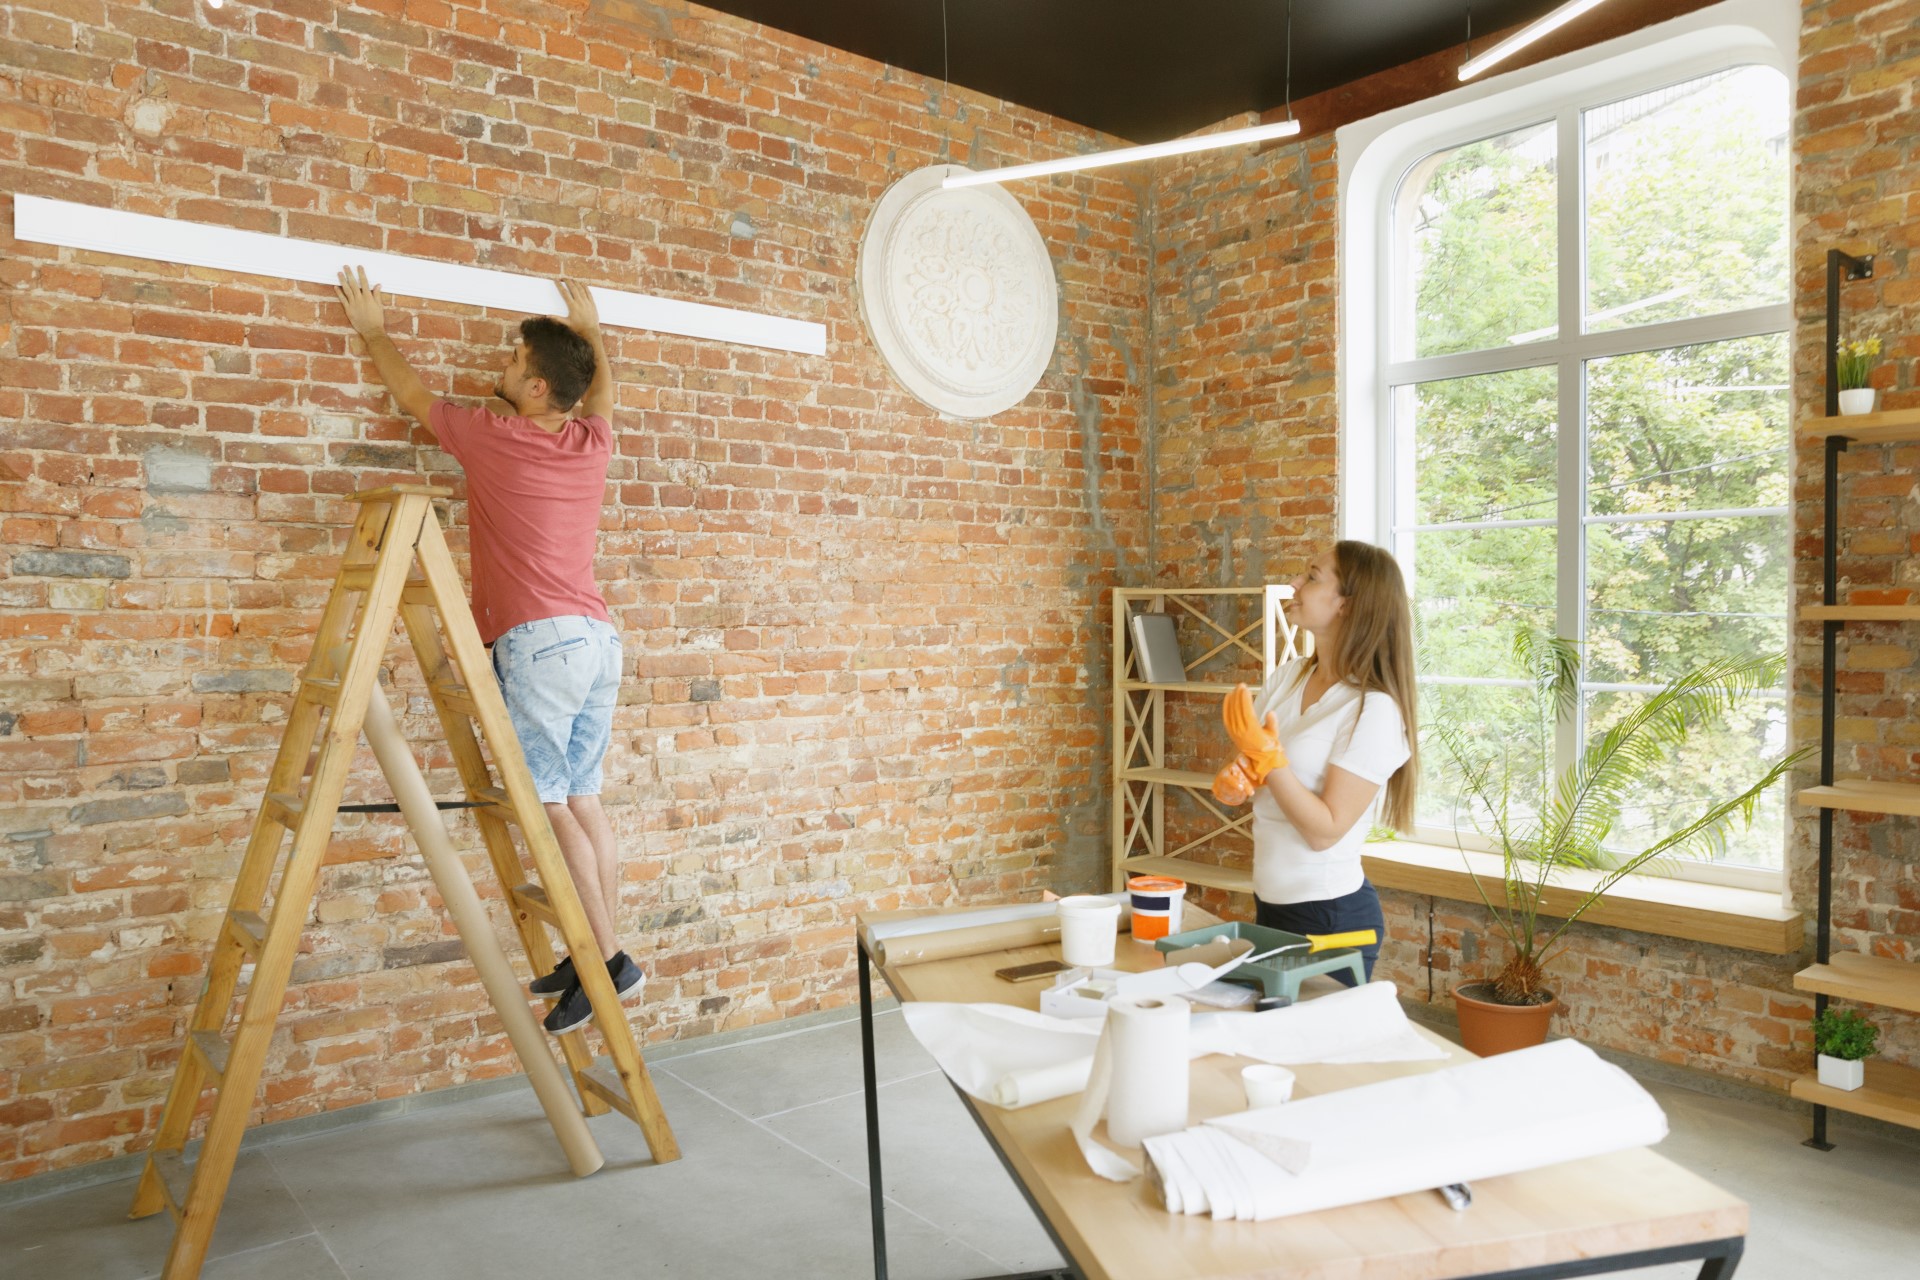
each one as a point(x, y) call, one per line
point(1571, 437)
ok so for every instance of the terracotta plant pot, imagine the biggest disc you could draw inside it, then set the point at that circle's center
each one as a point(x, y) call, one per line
point(1487, 1028)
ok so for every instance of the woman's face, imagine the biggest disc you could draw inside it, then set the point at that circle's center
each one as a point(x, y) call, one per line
point(1317, 602)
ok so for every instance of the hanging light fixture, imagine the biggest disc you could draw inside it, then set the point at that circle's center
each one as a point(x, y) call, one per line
point(1152, 151)
point(1526, 35)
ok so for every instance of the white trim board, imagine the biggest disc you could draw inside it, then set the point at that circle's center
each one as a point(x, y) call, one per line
point(195, 244)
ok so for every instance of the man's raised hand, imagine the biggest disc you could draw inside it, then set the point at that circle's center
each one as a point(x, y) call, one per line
point(583, 314)
point(362, 301)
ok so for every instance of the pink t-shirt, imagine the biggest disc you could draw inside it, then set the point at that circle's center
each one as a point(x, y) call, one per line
point(533, 509)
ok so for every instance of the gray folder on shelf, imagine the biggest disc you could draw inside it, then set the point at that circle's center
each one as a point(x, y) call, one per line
point(1156, 649)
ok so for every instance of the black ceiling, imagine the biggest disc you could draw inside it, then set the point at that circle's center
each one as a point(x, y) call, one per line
point(1140, 69)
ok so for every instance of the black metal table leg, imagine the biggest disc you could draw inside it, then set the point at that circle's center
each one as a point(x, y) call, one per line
point(876, 1197)
point(1722, 1267)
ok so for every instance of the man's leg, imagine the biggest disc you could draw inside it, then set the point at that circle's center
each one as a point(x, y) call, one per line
point(583, 864)
point(587, 811)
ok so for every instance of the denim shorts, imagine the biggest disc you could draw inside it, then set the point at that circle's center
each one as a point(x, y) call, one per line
point(1357, 910)
point(561, 677)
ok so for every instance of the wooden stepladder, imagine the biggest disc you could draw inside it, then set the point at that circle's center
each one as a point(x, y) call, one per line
point(396, 566)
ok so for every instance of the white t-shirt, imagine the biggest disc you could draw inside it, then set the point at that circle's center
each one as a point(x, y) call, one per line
point(1368, 741)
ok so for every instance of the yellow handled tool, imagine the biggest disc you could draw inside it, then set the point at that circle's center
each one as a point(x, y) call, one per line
point(1328, 941)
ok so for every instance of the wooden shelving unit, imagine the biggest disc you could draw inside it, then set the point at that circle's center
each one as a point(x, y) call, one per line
point(1895, 426)
point(1863, 795)
point(1878, 980)
point(1140, 772)
point(1892, 1091)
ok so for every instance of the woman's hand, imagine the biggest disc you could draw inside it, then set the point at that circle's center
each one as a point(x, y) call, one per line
point(1232, 785)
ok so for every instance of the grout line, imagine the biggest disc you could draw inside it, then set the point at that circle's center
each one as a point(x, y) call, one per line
point(852, 1093)
point(909, 1210)
point(271, 1244)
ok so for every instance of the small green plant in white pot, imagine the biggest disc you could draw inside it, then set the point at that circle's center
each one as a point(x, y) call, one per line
point(1853, 365)
point(1844, 1040)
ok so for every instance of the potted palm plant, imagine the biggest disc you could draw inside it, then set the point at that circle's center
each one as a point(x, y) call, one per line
point(1543, 825)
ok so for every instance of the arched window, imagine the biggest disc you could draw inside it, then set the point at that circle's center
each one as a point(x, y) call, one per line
point(1577, 395)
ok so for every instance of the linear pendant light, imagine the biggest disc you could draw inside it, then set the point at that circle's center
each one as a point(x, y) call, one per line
point(1525, 36)
point(1127, 155)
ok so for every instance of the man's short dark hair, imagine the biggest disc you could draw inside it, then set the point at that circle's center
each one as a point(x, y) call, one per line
point(561, 356)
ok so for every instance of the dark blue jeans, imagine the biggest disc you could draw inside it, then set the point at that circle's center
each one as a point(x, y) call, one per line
point(1357, 910)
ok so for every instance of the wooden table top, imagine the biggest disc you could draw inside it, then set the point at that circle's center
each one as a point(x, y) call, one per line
point(1627, 1201)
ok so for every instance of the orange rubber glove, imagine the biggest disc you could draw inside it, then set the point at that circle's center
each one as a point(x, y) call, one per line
point(1232, 786)
point(1258, 745)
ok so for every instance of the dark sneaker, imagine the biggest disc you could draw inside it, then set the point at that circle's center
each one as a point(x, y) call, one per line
point(572, 1011)
point(625, 973)
point(555, 983)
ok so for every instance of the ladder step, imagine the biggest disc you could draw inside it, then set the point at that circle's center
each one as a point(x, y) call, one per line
point(213, 1051)
point(360, 578)
point(607, 1087)
point(497, 803)
point(460, 698)
point(532, 899)
point(283, 807)
point(171, 1172)
point(249, 929)
point(326, 692)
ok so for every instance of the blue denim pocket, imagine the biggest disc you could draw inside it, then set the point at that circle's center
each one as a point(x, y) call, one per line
point(560, 650)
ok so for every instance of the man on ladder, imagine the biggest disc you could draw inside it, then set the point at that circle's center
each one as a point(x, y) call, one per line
point(536, 481)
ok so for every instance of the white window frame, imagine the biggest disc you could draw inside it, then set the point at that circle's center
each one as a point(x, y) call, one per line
point(1375, 156)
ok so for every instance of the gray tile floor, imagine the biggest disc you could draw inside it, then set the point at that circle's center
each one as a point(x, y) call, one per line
point(773, 1183)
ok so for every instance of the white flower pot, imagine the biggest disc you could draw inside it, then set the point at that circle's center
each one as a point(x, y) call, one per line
point(1842, 1073)
point(1857, 400)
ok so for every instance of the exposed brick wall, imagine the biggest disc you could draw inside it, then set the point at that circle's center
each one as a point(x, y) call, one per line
point(1856, 189)
point(865, 641)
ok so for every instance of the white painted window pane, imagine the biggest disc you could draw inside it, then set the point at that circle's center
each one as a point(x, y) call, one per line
point(1686, 199)
point(1483, 253)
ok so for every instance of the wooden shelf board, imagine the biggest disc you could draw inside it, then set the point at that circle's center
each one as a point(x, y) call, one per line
point(1147, 593)
point(1891, 1093)
point(1864, 795)
point(1860, 613)
point(1892, 426)
point(1881, 980)
point(1184, 686)
point(1232, 879)
point(1171, 777)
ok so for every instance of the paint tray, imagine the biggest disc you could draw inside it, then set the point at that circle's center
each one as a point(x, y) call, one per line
point(1281, 975)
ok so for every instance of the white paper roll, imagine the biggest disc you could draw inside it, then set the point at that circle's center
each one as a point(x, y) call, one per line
point(1148, 1092)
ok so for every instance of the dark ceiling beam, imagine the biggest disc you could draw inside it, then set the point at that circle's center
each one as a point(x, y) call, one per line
point(1437, 73)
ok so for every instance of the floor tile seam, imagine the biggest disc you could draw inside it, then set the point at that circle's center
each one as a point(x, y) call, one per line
point(851, 1093)
point(212, 1258)
point(909, 1210)
point(770, 1038)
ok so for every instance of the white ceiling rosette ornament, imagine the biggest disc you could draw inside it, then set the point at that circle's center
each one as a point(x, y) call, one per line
point(958, 292)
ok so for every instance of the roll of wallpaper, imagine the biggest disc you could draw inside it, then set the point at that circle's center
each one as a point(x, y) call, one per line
point(952, 934)
point(1147, 1095)
point(476, 931)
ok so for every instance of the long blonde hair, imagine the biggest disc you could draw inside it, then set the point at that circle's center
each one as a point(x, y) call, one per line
point(1375, 653)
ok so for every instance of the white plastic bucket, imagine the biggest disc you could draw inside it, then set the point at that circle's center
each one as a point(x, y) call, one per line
point(1087, 928)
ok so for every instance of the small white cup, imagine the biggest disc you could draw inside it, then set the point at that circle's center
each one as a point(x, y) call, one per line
point(1088, 924)
point(1266, 1085)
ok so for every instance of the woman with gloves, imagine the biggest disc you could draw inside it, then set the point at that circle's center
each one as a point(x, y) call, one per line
point(1328, 747)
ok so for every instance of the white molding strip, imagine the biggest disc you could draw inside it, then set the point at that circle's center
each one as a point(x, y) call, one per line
point(78, 226)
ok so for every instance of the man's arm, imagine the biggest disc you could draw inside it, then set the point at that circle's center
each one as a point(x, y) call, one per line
point(583, 317)
point(369, 320)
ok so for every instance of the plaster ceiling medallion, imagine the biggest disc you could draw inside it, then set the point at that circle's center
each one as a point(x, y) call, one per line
point(958, 292)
